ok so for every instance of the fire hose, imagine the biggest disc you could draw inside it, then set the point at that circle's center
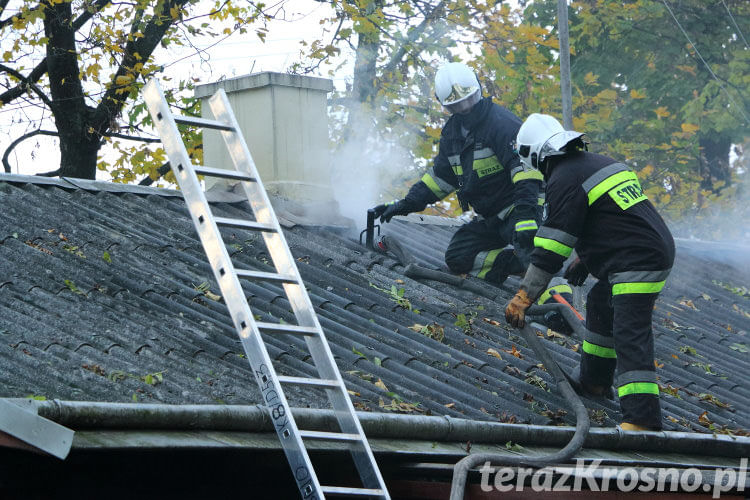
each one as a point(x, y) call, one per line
point(571, 316)
point(461, 469)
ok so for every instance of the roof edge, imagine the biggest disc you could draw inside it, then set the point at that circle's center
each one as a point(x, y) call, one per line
point(88, 415)
point(87, 184)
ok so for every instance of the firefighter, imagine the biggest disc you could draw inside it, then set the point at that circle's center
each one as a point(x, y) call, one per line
point(476, 159)
point(597, 207)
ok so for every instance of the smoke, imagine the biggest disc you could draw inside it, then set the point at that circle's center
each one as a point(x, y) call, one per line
point(720, 229)
point(369, 167)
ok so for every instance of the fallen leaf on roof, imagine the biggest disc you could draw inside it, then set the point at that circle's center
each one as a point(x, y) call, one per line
point(658, 365)
point(515, 352)
point(675, 356)
point(381, 385)
point(450, 405)
point(706, 296)
point(575, 347)
point(62, 237)
point(38, 247)
point(713, 399)
point(739, 347)
point(493, 352)
point(399, 281)
point(553, 334)
point(513, 446)
point(352, 393)
point(704, 420)
point(491, 321)
point(672, 419)
point(668, 389)
point(740, 310)
point(688, 303)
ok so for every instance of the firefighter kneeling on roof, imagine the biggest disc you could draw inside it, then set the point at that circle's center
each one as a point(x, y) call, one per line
point(597, 207)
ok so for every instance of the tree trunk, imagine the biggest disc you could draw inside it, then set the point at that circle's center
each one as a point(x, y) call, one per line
point(79, 142)
point(714, 163)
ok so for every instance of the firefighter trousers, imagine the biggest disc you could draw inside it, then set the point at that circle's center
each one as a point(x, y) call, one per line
point(620, 339)
point(479, 248)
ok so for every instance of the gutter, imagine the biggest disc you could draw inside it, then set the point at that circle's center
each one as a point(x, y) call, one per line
point(135, 416)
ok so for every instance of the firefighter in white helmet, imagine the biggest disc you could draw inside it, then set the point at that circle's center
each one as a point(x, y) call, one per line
point(476, 159)
point(596, 207)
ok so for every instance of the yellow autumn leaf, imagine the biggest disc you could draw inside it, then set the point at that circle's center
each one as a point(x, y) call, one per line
point(123, 80)
point(493, 352)
point(661, 112)
point(381, 385)
point(690, 128)
point(590, 78)
point(7, 55)
point(635, 94)
point(646, 171)
point(686, 69)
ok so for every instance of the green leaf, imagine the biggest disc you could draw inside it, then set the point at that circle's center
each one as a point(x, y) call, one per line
point(358, 353)
point(106, 258)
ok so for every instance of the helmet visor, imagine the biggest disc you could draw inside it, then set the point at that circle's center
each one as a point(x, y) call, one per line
point(463, 105)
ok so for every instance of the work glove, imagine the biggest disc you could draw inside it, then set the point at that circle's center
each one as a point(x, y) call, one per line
point(576, 273)
point(386, 211)
point(515, 312)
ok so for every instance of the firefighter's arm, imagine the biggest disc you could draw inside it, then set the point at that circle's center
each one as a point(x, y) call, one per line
point(558, 236)
point(432, 187)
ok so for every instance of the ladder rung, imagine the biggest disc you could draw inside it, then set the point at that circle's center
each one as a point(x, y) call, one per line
point(223, 173)
point(244, 224)
point(264, 276)
point(280, 328)
point(330, 436)
point(202, 122)
point(315, 382)
point(352, 492)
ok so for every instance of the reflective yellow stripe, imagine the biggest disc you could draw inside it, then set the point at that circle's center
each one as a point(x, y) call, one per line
point(488, 262)
point(638, 388)
point(558, 289)
point(638, 287)
point(608, 183)
point(430, 182)
point(553, 246)
point(528, 174)
point(526, 225)
point(599, 351)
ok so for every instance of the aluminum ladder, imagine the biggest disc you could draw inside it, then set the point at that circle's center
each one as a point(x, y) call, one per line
point(265, 221)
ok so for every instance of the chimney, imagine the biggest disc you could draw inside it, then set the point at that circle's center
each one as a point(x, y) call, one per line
point(284, 121)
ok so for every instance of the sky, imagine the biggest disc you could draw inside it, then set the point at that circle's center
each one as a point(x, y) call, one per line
point(235, 56)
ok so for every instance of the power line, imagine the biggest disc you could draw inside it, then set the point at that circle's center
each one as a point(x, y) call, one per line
point(739, 31)
point(704, 62)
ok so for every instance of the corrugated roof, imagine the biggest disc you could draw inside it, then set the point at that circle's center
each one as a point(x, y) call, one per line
point(107, 296)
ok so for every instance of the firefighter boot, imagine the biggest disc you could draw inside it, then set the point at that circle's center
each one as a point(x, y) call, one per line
point(590, 391)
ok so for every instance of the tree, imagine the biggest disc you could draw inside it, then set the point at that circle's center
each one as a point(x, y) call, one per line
point(89, 58)
point(664, 84)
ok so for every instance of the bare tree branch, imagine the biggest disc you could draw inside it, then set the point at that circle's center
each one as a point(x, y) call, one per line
point(18, 141)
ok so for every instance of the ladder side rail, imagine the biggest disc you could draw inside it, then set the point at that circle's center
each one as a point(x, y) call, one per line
point(234, 297)
point(298, 297)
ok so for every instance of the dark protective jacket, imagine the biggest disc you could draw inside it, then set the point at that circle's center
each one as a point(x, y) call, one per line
point(596, 205)
point(477, 160)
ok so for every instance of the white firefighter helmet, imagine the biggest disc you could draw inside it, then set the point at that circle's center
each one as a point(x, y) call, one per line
point(457, 87)
point(540, 137)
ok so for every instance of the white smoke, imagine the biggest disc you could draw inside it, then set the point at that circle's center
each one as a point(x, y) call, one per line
point(367, 168)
